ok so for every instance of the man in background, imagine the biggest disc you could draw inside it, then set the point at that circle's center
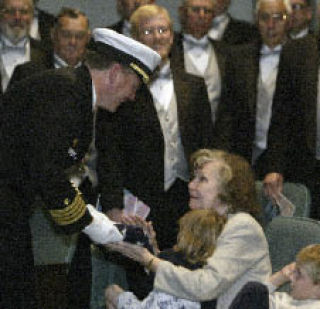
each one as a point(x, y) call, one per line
point(227, 29)
point(300, 18)
point(16, 46)
point(125, 8)
point(200, 55)
point(70, 36)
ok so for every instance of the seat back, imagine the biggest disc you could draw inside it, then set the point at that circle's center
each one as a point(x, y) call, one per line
point(286, 236)
point(297, 193)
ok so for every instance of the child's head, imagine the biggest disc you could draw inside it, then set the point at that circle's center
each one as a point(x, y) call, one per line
point(198, 233)
point(305, 282)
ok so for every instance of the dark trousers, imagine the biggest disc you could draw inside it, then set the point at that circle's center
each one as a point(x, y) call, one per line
point(17, 272)
point(80, 275)
point(253, 295)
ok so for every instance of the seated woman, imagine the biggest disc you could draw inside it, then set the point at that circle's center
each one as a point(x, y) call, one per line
point(197, 237)
point(223, 182)
point(304, 275)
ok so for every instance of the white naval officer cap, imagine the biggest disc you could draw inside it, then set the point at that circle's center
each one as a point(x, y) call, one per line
point(127, 51)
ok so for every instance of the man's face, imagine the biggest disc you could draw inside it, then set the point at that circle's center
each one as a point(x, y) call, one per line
point(16, 19)
point(156, 33)
point(196, 17)
point(70, 39)
point(126, 7)
point(302, 286)
point(115, 86)
point(220, 6)
point(272, 22)
point(301, 15)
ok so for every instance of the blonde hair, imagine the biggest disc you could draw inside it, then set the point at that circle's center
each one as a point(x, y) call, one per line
point(146, 12)
point(309, 259)
point(199, 230)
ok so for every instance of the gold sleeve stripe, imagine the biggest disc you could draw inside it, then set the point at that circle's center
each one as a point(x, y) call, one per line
point(70, 214)
point(145, 76)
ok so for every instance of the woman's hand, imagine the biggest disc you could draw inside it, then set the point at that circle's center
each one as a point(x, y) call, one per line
point(112, 293)
point(136, 253)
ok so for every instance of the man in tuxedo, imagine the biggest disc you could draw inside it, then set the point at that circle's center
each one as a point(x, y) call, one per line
point(256, 78)
point(227, 29)
point(125, 9)
point(200, 56)
point(295, 143)
point(300, 18)
point(48, 156)
point(70, 36)
point(16, 46)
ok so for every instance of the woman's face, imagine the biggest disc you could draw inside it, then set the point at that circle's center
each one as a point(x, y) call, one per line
point(205, 187)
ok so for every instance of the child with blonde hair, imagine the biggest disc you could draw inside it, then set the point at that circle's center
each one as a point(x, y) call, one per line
point(304, 277)
point(196, 241)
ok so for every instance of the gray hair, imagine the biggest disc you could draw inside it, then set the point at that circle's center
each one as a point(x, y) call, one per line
point(286, 3)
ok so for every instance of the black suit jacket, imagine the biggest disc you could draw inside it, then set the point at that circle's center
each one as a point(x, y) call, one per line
point(46, 22)
point(236, 118)
point(239, 32)
point(117, 26)
point(26, 70)
point(37, 54)
point(293, 141)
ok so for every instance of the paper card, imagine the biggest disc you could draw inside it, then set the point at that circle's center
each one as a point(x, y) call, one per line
point(133, 206)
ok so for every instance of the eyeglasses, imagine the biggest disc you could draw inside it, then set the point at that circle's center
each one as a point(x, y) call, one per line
point(298, 6)
point(152, 31)
point(14, 11)
point(67, 34)
point(276, 17)
point(198, 9)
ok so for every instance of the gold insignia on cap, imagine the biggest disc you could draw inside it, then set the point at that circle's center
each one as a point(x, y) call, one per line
point(145, 76)
point(70, 214)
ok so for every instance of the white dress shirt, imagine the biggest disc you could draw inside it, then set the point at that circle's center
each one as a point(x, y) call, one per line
point(282, 300)
point(219, 25)
point(268, 71)
point(162, 88)
point(301, 34)
point(198, 51)
point(12, 55)
point(34, 27)
point(126, 29)
point(60, 63)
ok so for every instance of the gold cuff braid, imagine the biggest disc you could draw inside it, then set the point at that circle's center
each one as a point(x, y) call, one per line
point(70, 214)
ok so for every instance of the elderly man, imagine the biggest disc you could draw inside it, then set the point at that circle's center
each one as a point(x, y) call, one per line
point(70, 37)
point(227, 29)
point(300, 18)
point(48, 153)
point(200, 55)
point(255, 86)
point(16, 47)
point(125, 9)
